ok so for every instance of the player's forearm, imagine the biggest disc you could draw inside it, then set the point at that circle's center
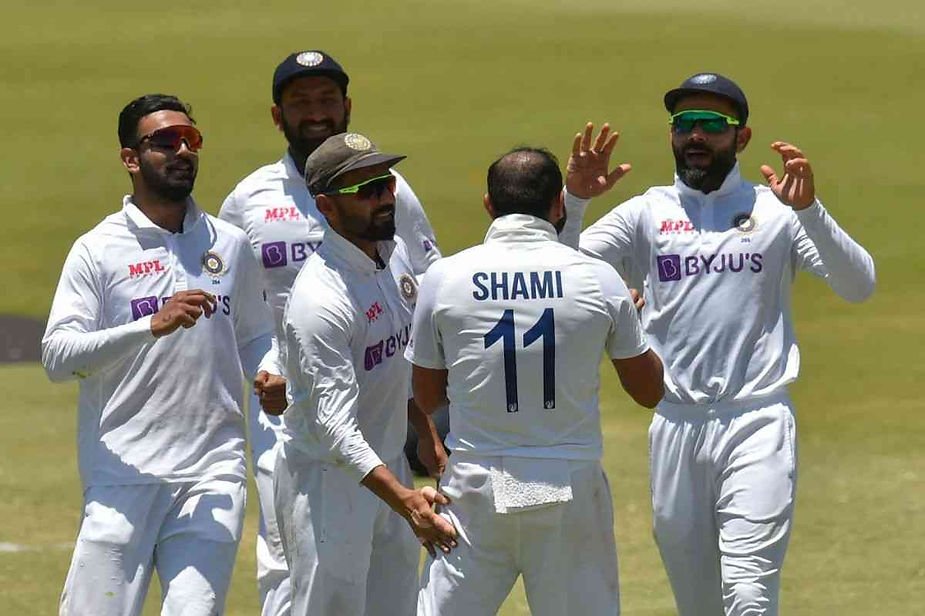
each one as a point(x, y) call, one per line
point(261, 353)
point(384, 484)
point(575, 208)
point(67, 354)
point(643, 378)
point(850, 267)
point(421, 422)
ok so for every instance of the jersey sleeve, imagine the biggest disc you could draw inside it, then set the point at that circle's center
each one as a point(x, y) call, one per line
point(821, 247)
point(75, 343)
point(412, 225)
point(626, 337)
point(253, 320)
point(426, 346)
point(611, 239)
point(323, 384)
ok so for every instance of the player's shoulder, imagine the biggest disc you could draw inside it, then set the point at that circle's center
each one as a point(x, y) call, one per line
point(260, 178)
point(99, 236)
point(227, 230)
point(319, 294)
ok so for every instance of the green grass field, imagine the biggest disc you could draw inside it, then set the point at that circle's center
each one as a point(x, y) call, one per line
point(453, 85)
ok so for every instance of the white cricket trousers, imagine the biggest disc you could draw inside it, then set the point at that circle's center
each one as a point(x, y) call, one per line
point(188, 532)
point(349, 554)
point(566, 552)
point(272, 570)
point(723, 491)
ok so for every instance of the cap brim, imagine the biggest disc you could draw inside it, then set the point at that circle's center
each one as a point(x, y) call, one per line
point(377, 158)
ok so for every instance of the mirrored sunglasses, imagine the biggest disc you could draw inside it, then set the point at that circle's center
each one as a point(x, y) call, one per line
point(170, 138)
point(712, 122)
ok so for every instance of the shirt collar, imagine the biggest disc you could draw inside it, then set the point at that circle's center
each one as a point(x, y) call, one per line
point(520, 228)
point(336, 247)
point(138, 219)
point(730, 184)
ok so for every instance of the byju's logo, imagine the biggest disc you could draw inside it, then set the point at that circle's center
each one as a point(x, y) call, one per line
point(274, 254)
point(143, 307)
point(386, 348)
point(669, 267)
point(673, 267)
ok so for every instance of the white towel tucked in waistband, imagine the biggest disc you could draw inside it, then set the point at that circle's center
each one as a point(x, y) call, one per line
point(519, 484)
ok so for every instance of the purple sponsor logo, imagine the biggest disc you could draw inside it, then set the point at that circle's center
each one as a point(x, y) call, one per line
point(143, 307)
point(274, 254)
point(384, 349)
point(669, 267)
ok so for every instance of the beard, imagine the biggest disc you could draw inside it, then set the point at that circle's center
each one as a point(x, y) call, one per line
point(304, 141)
point(704, 177)
point(381, 226)
point(173, 182)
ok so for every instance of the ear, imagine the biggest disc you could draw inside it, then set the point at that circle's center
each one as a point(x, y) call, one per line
point(277, 114)
point(743, 137)
point(325, 205)
point(348, 106)
point(486, 201)
point(557, 209)
point(130, 160)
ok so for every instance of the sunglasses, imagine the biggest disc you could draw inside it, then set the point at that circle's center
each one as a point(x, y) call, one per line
point(170, 138)
point(367, 189)
point(711, 122)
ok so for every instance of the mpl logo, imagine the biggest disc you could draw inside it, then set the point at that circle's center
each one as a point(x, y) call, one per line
point(676, 226)
point(373, 313)
point(674, 267)
point(281, 214)
point(384, 349)
point(145, 268)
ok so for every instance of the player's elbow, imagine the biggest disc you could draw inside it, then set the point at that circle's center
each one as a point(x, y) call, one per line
point(643, 378)
point(52, 361)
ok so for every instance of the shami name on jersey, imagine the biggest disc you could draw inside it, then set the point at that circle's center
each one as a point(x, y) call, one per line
point(517, 285)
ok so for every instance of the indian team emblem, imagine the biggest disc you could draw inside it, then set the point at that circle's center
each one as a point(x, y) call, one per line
point(357, 142)
point(409, 289)
point(213, 265)
point(744, 223)
point(703, 79)
point(309, 58)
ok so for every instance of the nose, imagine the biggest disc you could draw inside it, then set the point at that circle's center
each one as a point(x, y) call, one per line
point(184, 149)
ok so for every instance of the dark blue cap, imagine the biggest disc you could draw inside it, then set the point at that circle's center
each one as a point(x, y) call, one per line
point(307, 63)
point(710, 83)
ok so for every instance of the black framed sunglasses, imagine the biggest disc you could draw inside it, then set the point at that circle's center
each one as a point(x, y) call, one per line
point(373, 187)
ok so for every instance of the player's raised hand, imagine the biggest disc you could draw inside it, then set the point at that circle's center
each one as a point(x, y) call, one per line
point(271, 390)
point(433, 531)
point(795, 188)
point(587, 172)
point(182, 310)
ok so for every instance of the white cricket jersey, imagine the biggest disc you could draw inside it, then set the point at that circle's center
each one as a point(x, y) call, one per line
point(344, 329)
point(717, 271)
point(274, 208)
point(520, 323)
point(158, 409)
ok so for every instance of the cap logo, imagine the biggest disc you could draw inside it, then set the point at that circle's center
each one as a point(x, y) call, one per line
point(357, 142)
point(309, 58)
point(703, 79)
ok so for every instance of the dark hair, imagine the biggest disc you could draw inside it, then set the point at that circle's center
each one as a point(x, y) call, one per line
point(140, 107)
point(524, 181)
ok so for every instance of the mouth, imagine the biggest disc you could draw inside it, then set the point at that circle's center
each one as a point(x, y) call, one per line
point(319, 129)
point(385, 212)
point(697, 155)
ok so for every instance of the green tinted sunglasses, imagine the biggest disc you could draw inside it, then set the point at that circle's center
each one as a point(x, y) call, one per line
point(367, 189)
point(710, 121)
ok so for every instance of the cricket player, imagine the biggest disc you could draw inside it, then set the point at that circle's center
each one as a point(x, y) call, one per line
point(717, 255)
point(341, 479)
point(158, 313)
point(511, 332)
point(273, 206)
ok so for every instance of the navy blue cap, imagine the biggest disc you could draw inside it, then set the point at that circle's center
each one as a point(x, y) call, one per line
point(304, 64)
point(710, 83)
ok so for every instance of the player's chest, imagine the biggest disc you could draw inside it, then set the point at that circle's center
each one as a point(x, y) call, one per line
point(384, 306)
point(283, 232)
point(140, 277)
point(723, 242)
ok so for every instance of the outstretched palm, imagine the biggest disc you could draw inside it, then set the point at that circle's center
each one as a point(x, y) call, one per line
point(796, 187)
point(587, 171)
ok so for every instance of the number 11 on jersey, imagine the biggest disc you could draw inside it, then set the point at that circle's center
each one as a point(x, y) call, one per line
point(544, 328)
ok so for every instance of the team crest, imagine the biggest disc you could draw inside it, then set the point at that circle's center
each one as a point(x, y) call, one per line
point(309, 58)
point(409, 289)
point(703, 79)
point(357, 142)
point(744, 223)
point(213, 265)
